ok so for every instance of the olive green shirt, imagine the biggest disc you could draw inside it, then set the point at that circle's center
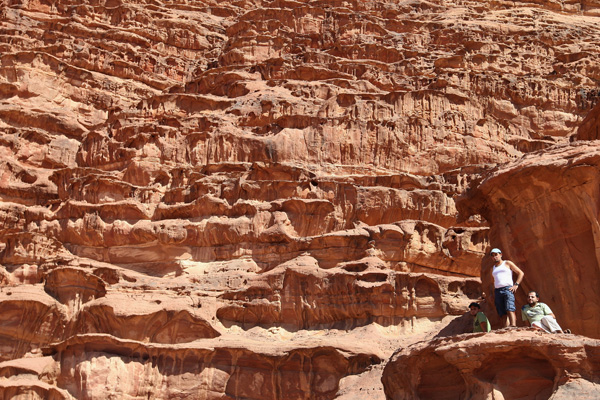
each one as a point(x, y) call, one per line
point(479, 318)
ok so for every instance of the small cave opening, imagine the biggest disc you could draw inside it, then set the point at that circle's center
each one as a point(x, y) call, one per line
point(440, 380)
point(521, 373)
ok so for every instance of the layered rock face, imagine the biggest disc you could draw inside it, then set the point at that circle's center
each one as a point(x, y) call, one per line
point(505, 365)
point(252, 200)
point(543, 210)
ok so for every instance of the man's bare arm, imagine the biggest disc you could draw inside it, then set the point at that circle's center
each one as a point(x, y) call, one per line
point(520, 275)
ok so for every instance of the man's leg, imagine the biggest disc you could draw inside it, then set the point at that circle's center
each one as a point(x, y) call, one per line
point(540, 327)
point(500, 302)
point(510, 308)
point(513, 318)
point(551, 324)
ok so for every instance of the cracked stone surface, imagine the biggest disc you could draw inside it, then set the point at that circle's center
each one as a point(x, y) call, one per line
point(295, 199)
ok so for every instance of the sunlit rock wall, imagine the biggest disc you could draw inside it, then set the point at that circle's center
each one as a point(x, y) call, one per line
point(266, 199)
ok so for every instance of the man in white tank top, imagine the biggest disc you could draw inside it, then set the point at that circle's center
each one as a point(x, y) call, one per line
point(505, 287)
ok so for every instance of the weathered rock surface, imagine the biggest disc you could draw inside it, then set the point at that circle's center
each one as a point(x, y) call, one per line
point(300, 295)
point(543, 212)
point(234, 369)
point(504, 364)
point(265, 199)
point(590, 127)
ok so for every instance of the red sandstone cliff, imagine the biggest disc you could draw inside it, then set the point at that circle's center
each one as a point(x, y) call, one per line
point(256, 200)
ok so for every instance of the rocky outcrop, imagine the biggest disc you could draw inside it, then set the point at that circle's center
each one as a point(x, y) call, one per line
point(222, 198)
point(300, 295)
point(30, 320)
point(543, 213)
point(90, 364)
point(590, 127)
point(507, 364)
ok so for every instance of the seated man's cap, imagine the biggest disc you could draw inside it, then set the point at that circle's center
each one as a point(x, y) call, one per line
point(495, 251)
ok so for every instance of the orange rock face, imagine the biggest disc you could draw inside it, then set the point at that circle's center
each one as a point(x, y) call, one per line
point(265, 199)
point(543, 211)
point(504, 364)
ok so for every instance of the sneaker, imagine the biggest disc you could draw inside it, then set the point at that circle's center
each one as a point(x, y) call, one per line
point(567, 331)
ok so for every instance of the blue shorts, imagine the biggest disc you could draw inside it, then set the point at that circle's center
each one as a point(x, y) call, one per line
point(504, 300)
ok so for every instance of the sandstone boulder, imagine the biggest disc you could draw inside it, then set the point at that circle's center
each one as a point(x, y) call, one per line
point(504, 364)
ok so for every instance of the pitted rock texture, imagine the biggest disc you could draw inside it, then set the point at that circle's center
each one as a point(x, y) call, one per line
point(265, 199)
point(506, 364)
point(230, 369)
point(303, 296)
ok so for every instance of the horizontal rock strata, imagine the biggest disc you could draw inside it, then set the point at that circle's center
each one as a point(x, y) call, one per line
point(265, 199)
point(89, 364)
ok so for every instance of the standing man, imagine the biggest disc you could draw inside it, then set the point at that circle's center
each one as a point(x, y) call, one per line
point(505, 288)
point(480, 322)
point(539, 315)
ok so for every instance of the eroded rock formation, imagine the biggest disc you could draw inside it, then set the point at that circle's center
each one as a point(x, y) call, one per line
point(543, 211)
point(265, 199)
point(503, 364)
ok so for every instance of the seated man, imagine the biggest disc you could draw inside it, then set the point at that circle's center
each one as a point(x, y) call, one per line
point(539, 315)
point(480, 323)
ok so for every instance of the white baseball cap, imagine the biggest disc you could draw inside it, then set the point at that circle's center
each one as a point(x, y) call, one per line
point(495, 251)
